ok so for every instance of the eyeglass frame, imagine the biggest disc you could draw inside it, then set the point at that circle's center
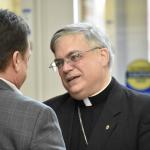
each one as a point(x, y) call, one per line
point(70, 59)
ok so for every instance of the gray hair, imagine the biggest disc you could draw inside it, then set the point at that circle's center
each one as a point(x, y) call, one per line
point(91, 34)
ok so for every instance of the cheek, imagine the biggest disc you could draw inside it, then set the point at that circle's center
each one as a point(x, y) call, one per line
point(61, 75)
point(27, 63)
point(93, 69)
point(92, 64)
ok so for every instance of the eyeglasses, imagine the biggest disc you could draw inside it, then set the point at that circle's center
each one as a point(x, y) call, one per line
point(71, 58)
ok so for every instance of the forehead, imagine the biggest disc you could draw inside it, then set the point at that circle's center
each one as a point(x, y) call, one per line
point(70, 42)
point(71, 38)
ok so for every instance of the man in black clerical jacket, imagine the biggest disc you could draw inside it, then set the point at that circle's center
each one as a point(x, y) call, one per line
point(97, 113)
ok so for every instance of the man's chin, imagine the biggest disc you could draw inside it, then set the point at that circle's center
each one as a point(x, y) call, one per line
point(77, 95)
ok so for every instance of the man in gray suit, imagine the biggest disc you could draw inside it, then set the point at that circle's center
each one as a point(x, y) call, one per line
point(24, 123)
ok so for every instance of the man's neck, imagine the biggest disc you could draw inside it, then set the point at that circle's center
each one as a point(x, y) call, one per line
point(106, 84)
point(9, 83)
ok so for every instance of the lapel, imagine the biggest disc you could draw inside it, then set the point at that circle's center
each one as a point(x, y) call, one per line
point(67, 109)
point(108, 120)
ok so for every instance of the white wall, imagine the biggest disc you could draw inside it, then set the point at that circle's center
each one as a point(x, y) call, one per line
point(131, 34)
point(47, 16)
point(126, 22)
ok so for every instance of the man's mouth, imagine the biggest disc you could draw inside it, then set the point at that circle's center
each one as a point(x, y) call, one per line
point(72, 78)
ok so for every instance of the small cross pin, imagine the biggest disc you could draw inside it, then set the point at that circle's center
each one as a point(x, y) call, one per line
point(107, 127)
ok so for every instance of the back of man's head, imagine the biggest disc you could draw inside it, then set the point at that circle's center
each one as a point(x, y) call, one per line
point(13, 36)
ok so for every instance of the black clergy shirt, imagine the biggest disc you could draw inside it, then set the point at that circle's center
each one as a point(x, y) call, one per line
point(89, 115)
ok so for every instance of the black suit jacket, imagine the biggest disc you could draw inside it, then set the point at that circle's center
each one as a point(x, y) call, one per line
point(124, 123)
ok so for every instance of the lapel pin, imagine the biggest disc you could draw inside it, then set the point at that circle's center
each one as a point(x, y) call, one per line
point(107, 127)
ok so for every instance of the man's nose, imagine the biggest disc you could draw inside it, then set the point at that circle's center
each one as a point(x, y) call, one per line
point(67, 66)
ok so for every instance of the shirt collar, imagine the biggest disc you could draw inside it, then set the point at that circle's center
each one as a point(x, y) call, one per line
point(87, 101)
point(11, 85)
point(102, 88)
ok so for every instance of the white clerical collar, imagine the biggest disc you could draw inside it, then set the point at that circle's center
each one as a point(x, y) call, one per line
point(87, 101)
point(11, 85)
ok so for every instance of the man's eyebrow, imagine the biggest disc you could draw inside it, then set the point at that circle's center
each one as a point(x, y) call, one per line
point(72, 52)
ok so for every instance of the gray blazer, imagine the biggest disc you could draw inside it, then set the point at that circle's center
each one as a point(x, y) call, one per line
point(26, 124)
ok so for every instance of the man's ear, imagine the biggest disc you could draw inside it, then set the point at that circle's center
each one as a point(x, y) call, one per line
point(16, 60)
point(104, 56)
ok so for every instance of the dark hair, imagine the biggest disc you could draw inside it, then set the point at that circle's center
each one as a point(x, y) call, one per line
point(90, 32)
point(13, 36)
